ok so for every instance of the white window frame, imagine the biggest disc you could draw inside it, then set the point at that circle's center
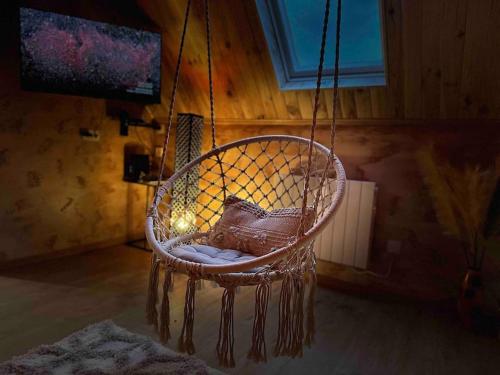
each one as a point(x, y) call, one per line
point(289, 79)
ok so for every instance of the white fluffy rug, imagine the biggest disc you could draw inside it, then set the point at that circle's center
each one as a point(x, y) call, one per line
point(104, 348)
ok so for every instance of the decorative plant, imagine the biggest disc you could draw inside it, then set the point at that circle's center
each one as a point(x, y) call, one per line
point(466, 202)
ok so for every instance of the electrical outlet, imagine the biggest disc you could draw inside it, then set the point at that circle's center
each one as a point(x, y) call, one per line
point(394, 247)
point(91, 135)
point(161, 130)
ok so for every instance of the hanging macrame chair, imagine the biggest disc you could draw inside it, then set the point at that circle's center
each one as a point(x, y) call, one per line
point(275, 171)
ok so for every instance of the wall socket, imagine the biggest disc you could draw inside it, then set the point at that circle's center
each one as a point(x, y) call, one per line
point(161, 130)
point(91, 135)
point(394, 247)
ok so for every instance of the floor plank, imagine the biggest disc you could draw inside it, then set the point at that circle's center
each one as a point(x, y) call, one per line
point(40, 304)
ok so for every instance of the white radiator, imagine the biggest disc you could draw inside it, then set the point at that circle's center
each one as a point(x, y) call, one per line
point(347, 238)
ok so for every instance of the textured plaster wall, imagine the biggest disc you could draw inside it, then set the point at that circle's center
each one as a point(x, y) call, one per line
point(58, 191)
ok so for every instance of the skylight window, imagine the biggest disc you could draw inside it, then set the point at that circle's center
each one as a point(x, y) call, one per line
point(293, 33)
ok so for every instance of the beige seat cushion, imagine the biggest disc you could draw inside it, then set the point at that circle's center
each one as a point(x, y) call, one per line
point(246, 227)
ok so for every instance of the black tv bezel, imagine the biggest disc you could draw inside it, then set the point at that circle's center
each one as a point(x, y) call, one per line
point(98, 94)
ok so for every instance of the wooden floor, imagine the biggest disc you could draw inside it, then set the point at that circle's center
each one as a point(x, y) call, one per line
point(43, 303)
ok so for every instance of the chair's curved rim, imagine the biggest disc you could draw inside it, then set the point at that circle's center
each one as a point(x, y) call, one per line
point(237, 267)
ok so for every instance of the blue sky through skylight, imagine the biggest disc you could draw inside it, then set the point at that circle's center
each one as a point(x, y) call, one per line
point(293, 31)
point(361, 42)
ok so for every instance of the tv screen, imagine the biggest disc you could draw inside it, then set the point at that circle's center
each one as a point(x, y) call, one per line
point(71, 55)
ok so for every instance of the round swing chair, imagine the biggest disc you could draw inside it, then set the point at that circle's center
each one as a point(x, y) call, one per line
point(280, 181)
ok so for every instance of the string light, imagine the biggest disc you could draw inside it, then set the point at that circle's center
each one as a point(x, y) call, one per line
point(183, 222)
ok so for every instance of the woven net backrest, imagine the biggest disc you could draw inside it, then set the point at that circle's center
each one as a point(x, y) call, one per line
point(269, 171)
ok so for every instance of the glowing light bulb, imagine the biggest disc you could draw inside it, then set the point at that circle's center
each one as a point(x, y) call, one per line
point(184, 221)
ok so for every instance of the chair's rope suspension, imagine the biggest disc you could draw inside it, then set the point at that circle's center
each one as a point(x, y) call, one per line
point(315, 114)
point(333, 128)
point(315, 110)
point(172, 97)
point(210, 81)
point(211, 89)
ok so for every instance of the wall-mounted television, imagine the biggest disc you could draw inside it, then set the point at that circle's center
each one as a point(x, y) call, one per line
point(70, 55)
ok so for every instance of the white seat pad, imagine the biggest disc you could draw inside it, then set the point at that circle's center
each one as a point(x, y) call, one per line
point(210, 255)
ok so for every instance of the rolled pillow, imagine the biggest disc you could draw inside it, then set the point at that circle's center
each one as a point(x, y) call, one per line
point(246, 227)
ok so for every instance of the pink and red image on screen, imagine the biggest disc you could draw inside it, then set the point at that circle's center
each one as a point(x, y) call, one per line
point(72, 55)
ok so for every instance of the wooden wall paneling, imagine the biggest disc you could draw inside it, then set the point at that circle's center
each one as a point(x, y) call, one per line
point(348, 104)
point(432, 12)
point(246, 80)
point(169, 19)
point(292, 105)
point(262, 99)
point(491, 74)
point(493, 65)
point(412, 57)
point(263, 90)
point(323, 106)
point(268, 83)
point(440, 64)
point(362, 99)
point(305, 100)
point(476, 58)
point(253, 51)
point(394, 92)
point(227, 105)
point(452, 38)
point(328, 99)
point(381, 103)
point(236, 40)
point(195, 62)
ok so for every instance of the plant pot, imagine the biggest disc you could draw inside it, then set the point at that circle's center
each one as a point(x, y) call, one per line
point(471, 299)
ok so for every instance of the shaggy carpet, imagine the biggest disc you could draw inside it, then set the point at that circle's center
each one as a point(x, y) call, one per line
point(104, 348)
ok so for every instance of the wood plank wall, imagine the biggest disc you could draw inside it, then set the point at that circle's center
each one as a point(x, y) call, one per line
point(444, 84)
point(443, 63)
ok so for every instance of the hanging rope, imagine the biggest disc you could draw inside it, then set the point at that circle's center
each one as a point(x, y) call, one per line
point(210, 81)
point(211, 88)
point(316, 107)
point(172, 98)
point(151, 312)
point(315, 114)
point(185, 343)
point(333, 128)
point(288, 263)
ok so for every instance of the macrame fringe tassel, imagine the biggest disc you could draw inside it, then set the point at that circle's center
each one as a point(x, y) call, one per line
point(283, 341)
point(151, 313)
point(165, 307)
point(186, 344)
point(258, 350)
point(298, 317)
point(225, 344)
point(311, 322)
point(172, 281)
point(291, 317)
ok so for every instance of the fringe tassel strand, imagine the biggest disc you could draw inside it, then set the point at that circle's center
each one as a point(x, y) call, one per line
point(225, 344)
point(165, 307)
point(258, 350)
point(186, 339)
point(151, 313)
point(311, 323)
point(291, 317)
